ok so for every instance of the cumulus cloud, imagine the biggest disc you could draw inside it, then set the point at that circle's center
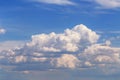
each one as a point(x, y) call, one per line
point(109, 4)
point(103, 57)
point(73, 49)
point(45, 47)
point(2, 31)
point(57, 2)
point(67, 61)
point(71, 40)
point(102, 54)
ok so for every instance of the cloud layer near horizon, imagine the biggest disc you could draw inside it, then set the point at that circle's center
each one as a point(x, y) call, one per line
point(75, 48)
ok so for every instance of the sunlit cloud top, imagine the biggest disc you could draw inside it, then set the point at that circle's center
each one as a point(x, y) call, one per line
point(75, 48)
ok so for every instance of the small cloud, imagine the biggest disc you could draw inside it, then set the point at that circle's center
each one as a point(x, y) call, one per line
point(57, 2)
point(2, 31)
point(108, 43)
point(26, 72)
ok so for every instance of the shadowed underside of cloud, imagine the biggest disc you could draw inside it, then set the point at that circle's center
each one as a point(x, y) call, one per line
point(75, 48)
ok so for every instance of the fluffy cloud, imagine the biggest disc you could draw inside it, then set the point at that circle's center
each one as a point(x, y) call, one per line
point(57, 2)
point(75, 48)
point(45, 47)
point(101, 54)
point(104, 57)
point(67, 61)
point(70, 41)
point(109, 4)
point(2, 31)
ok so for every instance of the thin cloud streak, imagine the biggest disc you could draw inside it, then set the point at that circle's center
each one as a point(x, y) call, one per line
point(6, 45)
point(56, 2)
point(108, 4)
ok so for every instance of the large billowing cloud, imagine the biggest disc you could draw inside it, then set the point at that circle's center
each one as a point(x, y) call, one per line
point(70, 41)
point(75, 48)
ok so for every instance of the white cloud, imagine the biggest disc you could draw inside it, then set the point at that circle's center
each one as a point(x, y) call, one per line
point(71, 40)
point(48, 47)
point(57, 2)
point(105, 58)
point(48, 51)
point(19, 59)
point(102, 54)
point(67, 61)
point(108, 43)
point(108, 4)
point(2, 31)
point(43, 59)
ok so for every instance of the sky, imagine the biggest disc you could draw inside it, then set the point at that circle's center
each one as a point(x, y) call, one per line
point(59, 39)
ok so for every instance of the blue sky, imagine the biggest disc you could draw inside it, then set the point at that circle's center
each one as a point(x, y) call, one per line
point(59, 39)
point(24, 18)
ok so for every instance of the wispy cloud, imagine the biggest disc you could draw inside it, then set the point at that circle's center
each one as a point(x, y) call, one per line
point(108, 4)
point(115, 32)
point(108, 32)
point(6, 45)
point(2, 31)
point(57, 2)
point(94, 7)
